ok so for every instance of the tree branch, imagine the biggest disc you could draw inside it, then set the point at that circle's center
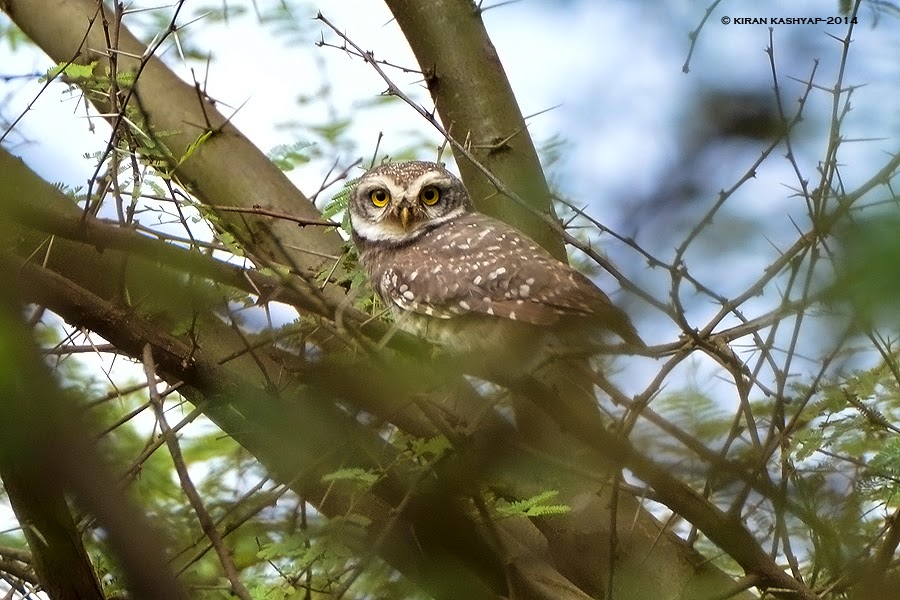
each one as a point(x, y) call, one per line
point(475, 101)
point(172, 106)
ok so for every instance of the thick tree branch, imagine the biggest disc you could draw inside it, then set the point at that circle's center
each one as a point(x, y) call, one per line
point(44, 451)
point(60, 559)
point(475, 101)
point(224, 169)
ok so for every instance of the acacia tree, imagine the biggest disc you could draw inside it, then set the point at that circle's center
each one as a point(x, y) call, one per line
point(344, 462)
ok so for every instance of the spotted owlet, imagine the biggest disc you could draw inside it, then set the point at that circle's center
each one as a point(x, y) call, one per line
point(464, 280)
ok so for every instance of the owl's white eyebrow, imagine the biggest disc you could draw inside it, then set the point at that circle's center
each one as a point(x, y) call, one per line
point(384, 183)
point(429, 179)
point(379, 181)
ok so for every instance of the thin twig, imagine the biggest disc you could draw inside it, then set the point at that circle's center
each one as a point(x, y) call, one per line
point(206, 522)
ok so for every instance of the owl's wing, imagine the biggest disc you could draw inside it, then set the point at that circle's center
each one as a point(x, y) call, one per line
point(477, 264)
point(542, 291)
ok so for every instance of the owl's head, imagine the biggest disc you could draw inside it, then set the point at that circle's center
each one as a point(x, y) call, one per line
point(398, 202)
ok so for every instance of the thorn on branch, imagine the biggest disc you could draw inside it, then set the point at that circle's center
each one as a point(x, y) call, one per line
point(431, 79)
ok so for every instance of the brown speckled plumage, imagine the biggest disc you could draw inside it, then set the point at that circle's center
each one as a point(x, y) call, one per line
point(464, 279)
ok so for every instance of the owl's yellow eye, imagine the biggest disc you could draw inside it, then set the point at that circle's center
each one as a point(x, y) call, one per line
point(430, 195)
point(379, 197)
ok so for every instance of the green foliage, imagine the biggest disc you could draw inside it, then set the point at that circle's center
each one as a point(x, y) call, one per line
point(332, 131)
point(361, 477)
point(883, 471)
point(86, 76)
point(377, 101)
point(339, 204)
point(74, 72)
point(193, 146)
point(351, 277)
point(869, 275)
point(266, 591)
point(14, 37)
point(846, 453)
point(322, 552)
point(288, 156)
point(423, 451)
point(275, 270)
point(697, 412)
point(219, 13)
point(355, 278)
point(223, 236)
point(552, 151)
point(536, 506)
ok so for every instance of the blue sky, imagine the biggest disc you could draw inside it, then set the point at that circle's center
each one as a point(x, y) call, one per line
point(613, 70)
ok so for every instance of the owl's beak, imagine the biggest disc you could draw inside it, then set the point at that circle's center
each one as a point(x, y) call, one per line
point(405, 217)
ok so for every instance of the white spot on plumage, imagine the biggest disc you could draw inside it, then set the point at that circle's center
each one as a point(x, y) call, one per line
point(524, 289)
point(403, 288)
point(496, 273)
point(413, 275)
point(409, 295)
point(464, 305)
point(477, 280)
point(512, 315)
point(529, 281)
